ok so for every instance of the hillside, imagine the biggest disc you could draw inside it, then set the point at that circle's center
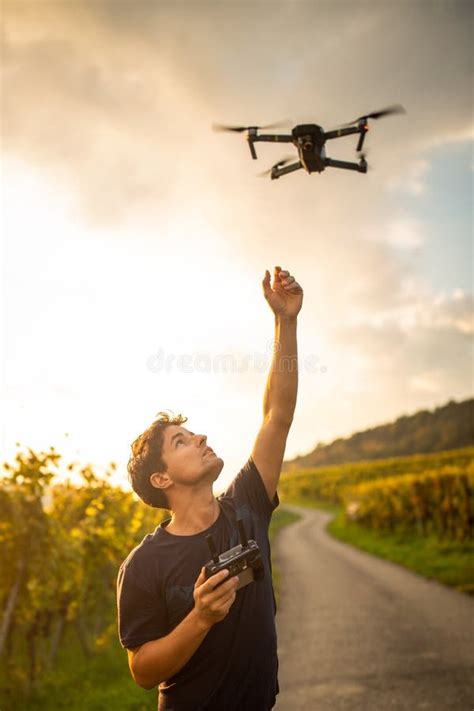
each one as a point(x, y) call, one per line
point(449, 426)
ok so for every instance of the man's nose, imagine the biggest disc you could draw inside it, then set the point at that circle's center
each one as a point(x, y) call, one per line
point(201, 439)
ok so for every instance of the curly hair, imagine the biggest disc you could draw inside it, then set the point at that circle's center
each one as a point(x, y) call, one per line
point(146, 459)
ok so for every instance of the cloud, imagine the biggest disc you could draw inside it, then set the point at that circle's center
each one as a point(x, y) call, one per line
point(454, 312)
point(404, 233)
point(462, 135)
point(116, 100)
point(413, 180)
point(428, 381)
point(112, 104)
point(416, 344)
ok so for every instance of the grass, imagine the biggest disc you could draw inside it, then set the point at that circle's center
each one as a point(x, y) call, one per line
point(101, 682)
point(280, 519)
point(448, 562)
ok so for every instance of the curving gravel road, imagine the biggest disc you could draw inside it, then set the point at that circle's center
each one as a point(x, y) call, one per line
point(357, 633)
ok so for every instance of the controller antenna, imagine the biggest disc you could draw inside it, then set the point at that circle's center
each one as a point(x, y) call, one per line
point(243, 536)
point(212, 548)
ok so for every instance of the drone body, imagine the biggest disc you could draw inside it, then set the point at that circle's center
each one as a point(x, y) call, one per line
point(310, 142)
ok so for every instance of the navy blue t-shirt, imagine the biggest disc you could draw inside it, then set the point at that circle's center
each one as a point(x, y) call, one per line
point(236, 665)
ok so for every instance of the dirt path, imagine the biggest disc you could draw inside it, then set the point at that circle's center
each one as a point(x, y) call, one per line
point(358, 633)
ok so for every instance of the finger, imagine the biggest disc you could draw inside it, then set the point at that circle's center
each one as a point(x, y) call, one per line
point(267, 289)
point(225, 601)
point(294, 287)
point(227, 588)
point(218, 598)
point(288, 279)
point(201, 578)
point(226, 604)
point(214, 580)
point(277, 278)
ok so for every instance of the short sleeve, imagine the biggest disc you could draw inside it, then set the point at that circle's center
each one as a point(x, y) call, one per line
point(249, 488)
point(141, 614)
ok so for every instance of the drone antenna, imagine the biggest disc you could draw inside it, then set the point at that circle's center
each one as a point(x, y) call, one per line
point(212, 548)
point(243, 535)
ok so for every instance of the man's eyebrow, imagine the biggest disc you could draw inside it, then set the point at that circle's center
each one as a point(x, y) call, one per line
point(179, 434)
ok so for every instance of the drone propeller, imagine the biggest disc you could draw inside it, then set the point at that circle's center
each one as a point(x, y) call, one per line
point(280, 164)
point(394, 109)
point(240, 129)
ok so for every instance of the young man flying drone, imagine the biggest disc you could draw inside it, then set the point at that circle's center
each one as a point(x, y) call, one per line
point(206, 638)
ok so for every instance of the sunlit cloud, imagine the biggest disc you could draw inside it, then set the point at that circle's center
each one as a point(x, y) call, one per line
point(427, 382)
point(406, 233)
point(464, 134)
point(414, 178)
point(148, 234)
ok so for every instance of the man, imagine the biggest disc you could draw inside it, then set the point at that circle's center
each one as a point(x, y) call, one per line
point(209, 646)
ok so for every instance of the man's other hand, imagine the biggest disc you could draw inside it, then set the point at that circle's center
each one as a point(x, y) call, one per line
point(212, 603)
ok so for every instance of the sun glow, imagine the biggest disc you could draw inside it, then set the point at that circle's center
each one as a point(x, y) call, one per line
point(103, 329)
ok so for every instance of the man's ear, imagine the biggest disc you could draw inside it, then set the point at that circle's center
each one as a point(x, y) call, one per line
point(160, 480)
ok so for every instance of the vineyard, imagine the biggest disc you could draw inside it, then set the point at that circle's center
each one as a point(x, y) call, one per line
point(426, 494)
point(62, 544)
point(64, 530)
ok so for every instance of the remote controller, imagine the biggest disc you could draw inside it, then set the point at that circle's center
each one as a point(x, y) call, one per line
point(243, 560)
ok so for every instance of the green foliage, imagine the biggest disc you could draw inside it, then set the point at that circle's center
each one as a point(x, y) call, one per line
point(62, 544)
point(280, 519)
point(426, 494)
point(98, 683)
point(448, 427)
point(450, 562)
point(438, 501)
point(327, 483)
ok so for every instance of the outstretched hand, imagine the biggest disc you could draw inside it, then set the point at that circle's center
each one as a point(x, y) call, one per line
point(285, 295)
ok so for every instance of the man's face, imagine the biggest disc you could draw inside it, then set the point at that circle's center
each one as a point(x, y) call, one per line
point(189, 459)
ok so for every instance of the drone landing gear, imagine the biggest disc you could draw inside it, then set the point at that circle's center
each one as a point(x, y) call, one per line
point(360, 167)
point(277, 172)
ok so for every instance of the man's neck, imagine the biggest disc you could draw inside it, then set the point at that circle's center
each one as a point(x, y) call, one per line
point(193, 517)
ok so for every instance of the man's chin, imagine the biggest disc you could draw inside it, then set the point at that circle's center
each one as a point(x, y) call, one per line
point(217, 465)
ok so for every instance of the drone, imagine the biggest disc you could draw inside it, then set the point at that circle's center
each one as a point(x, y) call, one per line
point(310, 140)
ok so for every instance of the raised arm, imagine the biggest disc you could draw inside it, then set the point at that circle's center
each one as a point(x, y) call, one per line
point(285, 298)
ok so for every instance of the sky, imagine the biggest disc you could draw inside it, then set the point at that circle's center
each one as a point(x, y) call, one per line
point(135, 238)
